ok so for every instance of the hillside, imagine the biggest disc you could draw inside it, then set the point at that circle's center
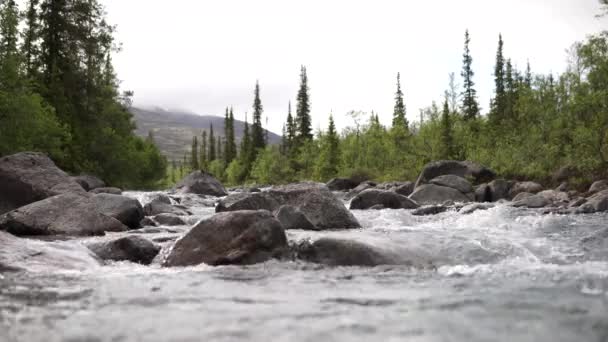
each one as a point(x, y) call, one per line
point(173, 130)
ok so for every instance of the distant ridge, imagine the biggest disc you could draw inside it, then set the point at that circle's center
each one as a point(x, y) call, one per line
point(173, 129)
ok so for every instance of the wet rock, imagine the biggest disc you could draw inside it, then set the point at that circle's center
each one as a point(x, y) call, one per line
point(18, 254)
point(126, 210)
point(435, 194)
point(483, 193)
point(529, 187)
point(533, 201)
point(556, 197)
point(464, 169)
point(404, 189)
point(131, 248)
point(430, 210)
point(500, 189)
point(377, 207)
point(520, 196)
point(147, 222)
point(201, 183)
point(598, 186)
point(577, 202)
point(563, 187)
point(595, 245)
point(336, 252)
point(112, 191)
point(341, 184)
point(74, 214)
point(473, 207)
point(169, 220)
point(28, 177)
point(89, 182)
point(292, 218)
point(596, 203)
point(454, 182)
point(238, 237)
point(388, 199)
point(361, 187)
point(314, 200)
point(160, 206)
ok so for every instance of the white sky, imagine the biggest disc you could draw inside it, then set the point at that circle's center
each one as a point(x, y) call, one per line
point(204, 55)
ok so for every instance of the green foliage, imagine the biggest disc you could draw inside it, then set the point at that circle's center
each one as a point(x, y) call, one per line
point(399, 119)
point(470, 107)
point(257, 132)
point(271, 167)
point(303, 120)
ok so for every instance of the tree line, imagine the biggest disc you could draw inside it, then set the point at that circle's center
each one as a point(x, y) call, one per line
point(59, 93)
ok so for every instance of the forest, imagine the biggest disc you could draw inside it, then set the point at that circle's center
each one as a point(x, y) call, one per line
point(59, 94)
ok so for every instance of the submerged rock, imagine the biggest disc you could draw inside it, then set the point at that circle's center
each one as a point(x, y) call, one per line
point(454, 182)
point(169, 220)
point(405, 188)
point(126, 210)
point(464, 169)
point(131, 248)
point(430, 210)
point(361, 187)
point(148, 222)
point(435, 194)
point(292, 218)
point(337, 252)
point(89, 182)
point(316, 201)
point(74, 214)
point(473, 207)
point(388, 199)
point(201, 183)
point(238, 237)
point(161, 204)
point(483, 193)
point(28, 177)
point(520, 196)
point(18, 254)
point(532, 201)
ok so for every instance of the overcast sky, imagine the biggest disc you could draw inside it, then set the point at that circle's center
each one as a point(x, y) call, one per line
point(204, 55)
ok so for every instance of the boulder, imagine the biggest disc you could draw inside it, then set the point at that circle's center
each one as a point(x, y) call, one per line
point(577, 202)
point(521, 196)
point(598, 186)
point(362, 186)
point(89, 182)
point(499, 189)
point(405, 188)
point(341, 184)
point(74, 214)
point(131, 248)
point(148, 222)
point(555, 197)
point(533, 201)
point(388, 199)
point(161, 204)
point(435, 194)
point(316, 201)
point(596, 203)
point(483, 193)
point(292, 218)
point(454, 182)
point(564, 186)
point(464, 169)
point(18, 254)
point(28, 177)
point(113, 191)
point(377, 207)
point(473, 207)
point(529, 187)
point(430, 210)
point(336, 252)
point(238, 237)
point(201, 183)
point(169, 220)
point(126, 210)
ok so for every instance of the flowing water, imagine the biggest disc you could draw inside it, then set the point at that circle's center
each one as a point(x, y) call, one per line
point(502, 274)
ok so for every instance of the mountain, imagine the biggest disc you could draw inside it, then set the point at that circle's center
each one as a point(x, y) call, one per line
point(173, 130)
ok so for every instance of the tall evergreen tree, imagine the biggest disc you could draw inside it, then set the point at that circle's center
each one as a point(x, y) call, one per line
point(212, 151)
point(30, 37)
point(194, 157)
point(447, 134)
point(327, 164)
point(470, 107)
point(220, 150)
point(399, 114)
point(292, 129)
point(230, 148)
point(203, 160)
point(303, 118)
point(528, 76)
point(499, 102)
point(257, 132)
point(510, 90)
point(9, 55)
point(247, 153)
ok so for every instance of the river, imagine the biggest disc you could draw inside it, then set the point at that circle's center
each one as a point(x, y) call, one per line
point(502, 274)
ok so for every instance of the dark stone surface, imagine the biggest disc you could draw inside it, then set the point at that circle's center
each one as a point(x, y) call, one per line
point(131, 248)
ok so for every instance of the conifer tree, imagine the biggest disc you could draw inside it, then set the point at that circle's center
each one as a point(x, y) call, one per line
point(447, 135)
point(211, 155)
point(528, 76)
point(30, 35)
point(510, 90)
point(204, 163)
point(9, 55)
point(247, 153)
point(327, 163)
point(303, 119)
point(230, 148)
point(498, 104)
point(399, 114)
point(257, 132)
point(220, 153)
point(292, 129)
point(194, 157)
point(470, 107)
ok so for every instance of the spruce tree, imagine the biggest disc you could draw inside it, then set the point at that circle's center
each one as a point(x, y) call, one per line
point(498, 104)
point(399, 114)
point(10, 77)
point(292, 130)
point(230, 148)
point(470, 107)
point(510, 90)
point(257, 132)
point(203, 163)
point(447, 135)
point(194, 157)
point(303, 119)
point(211, 155)
point(528, 76)
point(247, 153)
point(30, 35)
point(327, 163)
point(220, 153)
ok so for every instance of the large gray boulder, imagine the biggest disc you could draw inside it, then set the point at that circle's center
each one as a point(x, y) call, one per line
point(362, 186)
point(405, 188)
point(341, 184)
point(131, 248)
point(238, 237)
point(169, 220)
point(529, 187)
point(314, 200)
point(435, 194)
point(465, 169)
point(74, 214)
point(483, 193)
point(292, 218)
point(18, 254)
point(598, 186)
point(532, 201)
point(454, 182)
point(500, 189)
point(110, 190)
point(161, 204)
point(89, 182)
point(126, 210)
point(201, 183)
point(388, 199)
point(337, 252)
point(595, 204)
point(28, 177)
